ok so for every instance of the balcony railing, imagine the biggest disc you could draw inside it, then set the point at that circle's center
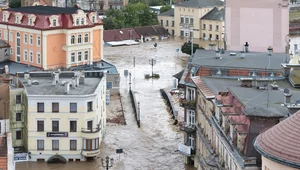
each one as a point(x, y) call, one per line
point(90, 153)
point(188, 127)
point(87, 130)
point(187, 103)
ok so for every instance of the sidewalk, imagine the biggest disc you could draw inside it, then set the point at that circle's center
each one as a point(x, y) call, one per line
point(115, 112)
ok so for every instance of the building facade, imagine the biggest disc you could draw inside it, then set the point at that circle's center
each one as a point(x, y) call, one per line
point(261, 24)
point(66, 117)
point(50, 37)
point(187, 16)
point(166, 19)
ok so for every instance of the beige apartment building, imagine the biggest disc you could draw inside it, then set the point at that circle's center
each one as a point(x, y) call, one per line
point(66, 114)
point(187, 16)
point(166, 19)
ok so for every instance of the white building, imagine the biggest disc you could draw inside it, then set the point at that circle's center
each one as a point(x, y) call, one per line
point(66, 114)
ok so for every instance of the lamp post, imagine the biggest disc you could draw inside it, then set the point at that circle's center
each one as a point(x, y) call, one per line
point(152, 62)
point(108, 162)
point(129, 81)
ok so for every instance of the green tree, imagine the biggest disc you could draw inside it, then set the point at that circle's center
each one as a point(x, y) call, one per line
point(186, 48)
point(165, 8)
point(15, 4)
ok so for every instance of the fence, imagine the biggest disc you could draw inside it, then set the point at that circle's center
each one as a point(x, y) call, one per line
point(136, 107)
point(167, 97)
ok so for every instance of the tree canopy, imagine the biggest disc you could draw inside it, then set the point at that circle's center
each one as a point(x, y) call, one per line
point(165, 8)
point(15, 4)
point(132, 15)
point(186, 48)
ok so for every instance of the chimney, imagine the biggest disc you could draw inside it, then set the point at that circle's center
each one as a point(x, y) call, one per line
point(6, 69)
point(246, 47)
point(74, 82)
point(242, 54)
point(77, 77)
point(218, 54)
point(270, 50)
point(81, 78)
point(26, 75)
point(55, 78)
point(29, 81)
point(287, 95)
point(67, 87)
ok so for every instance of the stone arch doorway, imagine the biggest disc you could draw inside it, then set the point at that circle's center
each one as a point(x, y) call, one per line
point(56, 159)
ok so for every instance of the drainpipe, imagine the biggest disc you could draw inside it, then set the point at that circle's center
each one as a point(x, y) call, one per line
point(41, 55)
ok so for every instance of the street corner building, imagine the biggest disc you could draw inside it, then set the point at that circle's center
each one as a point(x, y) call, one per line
point(279, 145)
point(50, 37)
point(66, 114)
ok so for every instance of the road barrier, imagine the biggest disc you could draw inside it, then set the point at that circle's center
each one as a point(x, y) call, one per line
point(136, 107)
point(167, 97)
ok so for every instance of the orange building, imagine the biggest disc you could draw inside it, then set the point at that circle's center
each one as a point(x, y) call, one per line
point(50, 37)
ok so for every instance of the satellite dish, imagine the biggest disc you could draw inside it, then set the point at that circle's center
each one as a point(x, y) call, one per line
point(286, 91)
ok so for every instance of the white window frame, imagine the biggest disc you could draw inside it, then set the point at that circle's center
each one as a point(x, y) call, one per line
point(30, 39)
point(79, 53)
point(86, 52)
point(191, 117)
point(38, 58)
point(73, 40)
point(192, 141)
point(38, 40)
point(73, 56)
point(86, 36)
point(30, 56)
point(79, 37)
point(25, 55)
point(25, 38)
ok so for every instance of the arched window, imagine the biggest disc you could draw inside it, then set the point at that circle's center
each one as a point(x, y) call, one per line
point(86, 38)
point(18, 47)
point(82, 21)
point(77, 21)
point(30, 22)
point(79, 39)
point(72, 39)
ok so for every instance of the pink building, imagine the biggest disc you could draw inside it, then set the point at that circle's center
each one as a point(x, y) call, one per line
point(260, 23)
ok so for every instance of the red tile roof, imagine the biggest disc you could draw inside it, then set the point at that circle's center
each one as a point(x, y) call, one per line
point(281, 143)
point(202, 87)
point(120, 35)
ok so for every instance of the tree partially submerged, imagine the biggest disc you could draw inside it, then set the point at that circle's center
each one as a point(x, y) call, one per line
point(186, 47)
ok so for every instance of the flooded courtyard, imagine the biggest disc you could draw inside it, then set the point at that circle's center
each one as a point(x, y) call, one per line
point(154, 144)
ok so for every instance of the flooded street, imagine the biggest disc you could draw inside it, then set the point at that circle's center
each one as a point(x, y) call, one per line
point(154, 145)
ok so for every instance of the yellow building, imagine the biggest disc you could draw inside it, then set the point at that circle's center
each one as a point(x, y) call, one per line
point(66, 114)
point(187, 16)
point(212, 25)
point(166, 19)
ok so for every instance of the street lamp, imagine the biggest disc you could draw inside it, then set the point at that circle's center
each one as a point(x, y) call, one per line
point(108, 162)
point(152, 62)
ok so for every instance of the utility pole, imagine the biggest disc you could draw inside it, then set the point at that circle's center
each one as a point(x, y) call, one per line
point(152, 62)
point(108, 162)
point(129, 81)
point(138, 115)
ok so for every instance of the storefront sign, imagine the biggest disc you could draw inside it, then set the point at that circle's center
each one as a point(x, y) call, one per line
point(93, 153)
point(20, 157)
point(57, 134)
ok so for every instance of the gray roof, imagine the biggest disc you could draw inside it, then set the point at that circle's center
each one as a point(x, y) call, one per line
point(3, 44)
point(103, 65)
point(254, 98)
point(266, 112)
point(215, 14)
point(201, 3)
point(167, 13)
point(45, 86)
point(253, 60)
point(17, 67)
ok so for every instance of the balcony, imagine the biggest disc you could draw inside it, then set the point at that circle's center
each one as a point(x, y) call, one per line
point(188, 127)
point(90, 133)
point(90, 153)
point(187, 103)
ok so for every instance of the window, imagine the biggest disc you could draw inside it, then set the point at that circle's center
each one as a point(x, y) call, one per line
point(210, 27)
point(73, 107)
point(73, 39)
point(30, 39)
point(18, 47)
point(25, 55)
point(38, 41)
point(18, 117)
point(191, 20)
point(204, 27)
point(93, 18)
point(55, 126)
point(162, 22)
point(40, 107)
point(181, 19)
point(72, 57)
point(86, 38)
point(77, 21)
point(55, 145)
point(192, 141)
point(79, 39)
point(190, 117)
point(82, 21)
point(38, 57)
point(18, 99)
point(10, 36)
point(73, 145)
point(90, 125)
point(5, 35)
point(217, 37)
point(40, 126)
point(167, 22)
point(204, 35)
point(30, 22)
point(79, 56)
point(173, 23)
point(73, 126)
point(90, 144)
point(0, 35)
point(86, 55)
point(109, 85)
point(54, 23)
point(181, 33)
point(25, 38)
point(18, 134)
point(31, 56)
point(186, 19)
point(90, 106)
point(40, 145)
point(210, 36)
point(191, 34)
point(217, 27)
point(55, 107)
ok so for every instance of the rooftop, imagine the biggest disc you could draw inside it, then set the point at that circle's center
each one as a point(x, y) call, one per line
point(102, 65)
point(3, 44)
point(252, 59)
point(281, 142)
point(45, 10)
point(167, 13)
point(215, 14)
point(15, 67)
point(203, 87)
point(45, 79)
point(201, 3)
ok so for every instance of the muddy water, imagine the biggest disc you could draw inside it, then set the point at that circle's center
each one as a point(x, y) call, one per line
point(154, 145)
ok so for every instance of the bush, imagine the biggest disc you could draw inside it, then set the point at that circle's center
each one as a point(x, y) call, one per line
point(156, 76)
point(147, 76)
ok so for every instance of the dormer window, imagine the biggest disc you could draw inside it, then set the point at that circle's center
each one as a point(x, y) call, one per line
point(77, 21)
point(54, 22)
point(5, 16)
point(82, 21)
point(18, 18)
point(31, 19)
point(93, 19)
